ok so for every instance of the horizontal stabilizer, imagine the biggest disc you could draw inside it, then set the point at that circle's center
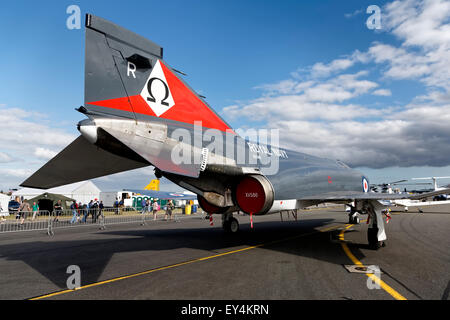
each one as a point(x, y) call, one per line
point(79, 161)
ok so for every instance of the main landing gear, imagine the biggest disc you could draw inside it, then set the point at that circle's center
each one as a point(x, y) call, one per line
point(376, 234)
point(230, 224)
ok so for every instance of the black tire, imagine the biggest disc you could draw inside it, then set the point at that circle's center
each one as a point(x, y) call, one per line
point(234, 225)
point(231, 225)
point(354, 220)
point(374, 244)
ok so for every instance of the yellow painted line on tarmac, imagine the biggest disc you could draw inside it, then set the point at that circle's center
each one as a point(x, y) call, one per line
point(180, 264)
point(374, 278)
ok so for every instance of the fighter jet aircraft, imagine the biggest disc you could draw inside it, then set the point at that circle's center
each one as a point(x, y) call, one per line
point(140, 112)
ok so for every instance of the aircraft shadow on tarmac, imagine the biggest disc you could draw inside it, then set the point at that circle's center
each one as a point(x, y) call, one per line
point(51, 258)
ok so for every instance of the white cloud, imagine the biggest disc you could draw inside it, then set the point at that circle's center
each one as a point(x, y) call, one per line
point(43, 153)
point(320, 69)
point(382, 92)
point(4, 157)
point(435, 97)
point(16, 173)
point(27, 142)
point(308, 100)
point(24, 130)
point(354, 13)
point(133, 179)
point(401, 63)
point(374, 144)
point(424, 29)
point(324, 70)
point(439, 115)
point(419, 23)
point(317, 117)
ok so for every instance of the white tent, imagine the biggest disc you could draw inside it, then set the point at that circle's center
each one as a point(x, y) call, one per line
point(83, 191)
point(4, 200)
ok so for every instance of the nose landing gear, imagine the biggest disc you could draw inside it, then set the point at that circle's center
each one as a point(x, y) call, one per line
point(353, 216)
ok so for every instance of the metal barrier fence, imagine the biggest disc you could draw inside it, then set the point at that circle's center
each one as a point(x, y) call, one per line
point(49, 221)
point(25, 221)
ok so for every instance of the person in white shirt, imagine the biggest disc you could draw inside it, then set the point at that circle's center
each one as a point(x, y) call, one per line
point(155, 209)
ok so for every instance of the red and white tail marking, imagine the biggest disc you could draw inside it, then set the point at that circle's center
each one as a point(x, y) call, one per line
point(165, 96)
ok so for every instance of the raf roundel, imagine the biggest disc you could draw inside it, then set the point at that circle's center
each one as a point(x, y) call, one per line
point(365, 185)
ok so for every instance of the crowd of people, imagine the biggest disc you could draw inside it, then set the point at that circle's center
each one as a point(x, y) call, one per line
point(154, 206)
point(81, 212)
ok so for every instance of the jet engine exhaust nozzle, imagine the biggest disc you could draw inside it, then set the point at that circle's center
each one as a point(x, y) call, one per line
point(89, 130)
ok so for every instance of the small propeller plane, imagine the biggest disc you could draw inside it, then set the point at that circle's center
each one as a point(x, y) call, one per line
point(140, 112)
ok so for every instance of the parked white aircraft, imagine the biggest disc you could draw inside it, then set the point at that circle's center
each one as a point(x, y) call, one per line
point(436, 187)
point(408, 203)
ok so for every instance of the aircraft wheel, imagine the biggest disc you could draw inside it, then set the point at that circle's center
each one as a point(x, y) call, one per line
point(373, 239)
point(231, 225)
point(354, 220)
point(234, 225)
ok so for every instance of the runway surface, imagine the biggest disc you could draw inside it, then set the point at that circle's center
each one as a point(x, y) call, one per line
point(301, 259)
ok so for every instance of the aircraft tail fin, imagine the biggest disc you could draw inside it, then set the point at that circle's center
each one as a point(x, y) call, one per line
point(126, 76)
point(153, 185)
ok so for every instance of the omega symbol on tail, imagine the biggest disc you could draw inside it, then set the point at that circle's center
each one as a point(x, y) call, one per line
point(156, 92)
point(151, 97)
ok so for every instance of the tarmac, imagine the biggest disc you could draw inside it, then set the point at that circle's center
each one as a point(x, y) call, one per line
point(189, 259)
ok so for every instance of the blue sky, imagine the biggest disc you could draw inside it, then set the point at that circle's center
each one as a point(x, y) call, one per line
point(281, 60)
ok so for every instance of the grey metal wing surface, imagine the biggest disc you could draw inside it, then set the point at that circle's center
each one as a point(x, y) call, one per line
point(79, 161)
point(351, 196)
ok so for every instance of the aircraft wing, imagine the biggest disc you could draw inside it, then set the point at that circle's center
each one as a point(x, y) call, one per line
point(166, 195)
point(351, 196)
